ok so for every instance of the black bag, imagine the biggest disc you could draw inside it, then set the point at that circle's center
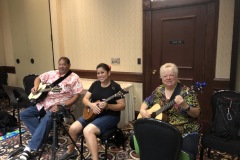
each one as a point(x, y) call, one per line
point(7, 122)
point(119, 139)
point(227, 118)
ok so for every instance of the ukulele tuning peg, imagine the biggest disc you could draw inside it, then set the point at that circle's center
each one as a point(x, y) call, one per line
point(200, 85)
point(203, 84)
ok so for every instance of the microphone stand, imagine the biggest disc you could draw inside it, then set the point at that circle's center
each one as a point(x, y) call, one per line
point(57, 123)
point(21, 147)
point(55, 137)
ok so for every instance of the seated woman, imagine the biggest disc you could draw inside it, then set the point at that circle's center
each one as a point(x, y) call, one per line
point(107, 114)
point(183, 114)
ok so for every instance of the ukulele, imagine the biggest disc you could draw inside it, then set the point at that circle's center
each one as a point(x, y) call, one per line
point(156, 110)
point(42, 92)
point(88, 113)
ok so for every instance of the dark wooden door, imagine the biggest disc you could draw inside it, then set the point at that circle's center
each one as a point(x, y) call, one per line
point(178, 37)
point(181, 35)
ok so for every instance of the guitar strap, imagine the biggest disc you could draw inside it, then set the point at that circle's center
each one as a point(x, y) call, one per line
point(176, 91)
point(60, 79)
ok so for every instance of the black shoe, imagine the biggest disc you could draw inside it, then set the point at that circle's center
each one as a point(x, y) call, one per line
point(66, 155)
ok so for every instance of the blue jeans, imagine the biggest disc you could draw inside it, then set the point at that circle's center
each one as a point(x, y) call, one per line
point(39, 124)
point(104, 123)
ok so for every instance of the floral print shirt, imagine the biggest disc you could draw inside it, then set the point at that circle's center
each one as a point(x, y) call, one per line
point(70, 86)
point(175, 115)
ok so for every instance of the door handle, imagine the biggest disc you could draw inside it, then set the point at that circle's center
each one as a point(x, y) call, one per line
point(154, 71)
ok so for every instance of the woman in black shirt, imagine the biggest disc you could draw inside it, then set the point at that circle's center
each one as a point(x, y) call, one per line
point(107, 113)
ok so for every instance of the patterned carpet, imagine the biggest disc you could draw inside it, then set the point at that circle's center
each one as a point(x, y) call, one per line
point(114, 153)
point(11, 144)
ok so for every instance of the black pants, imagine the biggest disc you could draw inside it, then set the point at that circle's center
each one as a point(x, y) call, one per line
point(190, 145)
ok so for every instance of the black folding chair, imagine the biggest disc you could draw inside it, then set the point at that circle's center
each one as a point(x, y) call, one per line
point(3, 81)
point(28, 82)
point(157, 139)
point(209, 140)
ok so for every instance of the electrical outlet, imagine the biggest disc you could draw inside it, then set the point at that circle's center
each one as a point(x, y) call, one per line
point(115, 60)
point(139, 61)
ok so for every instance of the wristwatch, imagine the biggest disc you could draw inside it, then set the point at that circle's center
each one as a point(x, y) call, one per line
point(187, 109)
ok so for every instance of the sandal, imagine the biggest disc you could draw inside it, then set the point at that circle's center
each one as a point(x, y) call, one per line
point(25, 155)
point(67, 156)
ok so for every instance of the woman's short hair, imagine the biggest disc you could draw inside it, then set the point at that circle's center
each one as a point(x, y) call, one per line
point(169, 65)
point(104, 66)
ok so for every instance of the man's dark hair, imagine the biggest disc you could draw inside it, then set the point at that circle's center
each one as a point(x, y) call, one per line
point(65, 59)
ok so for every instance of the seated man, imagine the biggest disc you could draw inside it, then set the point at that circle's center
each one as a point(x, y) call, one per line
point(69, 89)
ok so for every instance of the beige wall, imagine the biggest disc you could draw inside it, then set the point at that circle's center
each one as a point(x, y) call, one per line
point(225, 33)
point(2, 59)
point(2, 55)
point(7, 55)
point(6, 49)
point(104, 29)
point(94, 31)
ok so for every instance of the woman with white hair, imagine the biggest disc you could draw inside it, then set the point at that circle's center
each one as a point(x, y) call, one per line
point(183, 114)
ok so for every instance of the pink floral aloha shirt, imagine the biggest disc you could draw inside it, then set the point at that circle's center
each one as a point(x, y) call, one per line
point(70, 86)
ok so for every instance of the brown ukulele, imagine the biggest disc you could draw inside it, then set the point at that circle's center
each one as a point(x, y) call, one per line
point(88, 114)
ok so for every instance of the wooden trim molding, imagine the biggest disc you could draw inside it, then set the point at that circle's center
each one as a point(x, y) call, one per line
point(91, 74)
point(8, 69)
point(221, 84)
point(156, 4)
point(218, 83)
point(117, 76)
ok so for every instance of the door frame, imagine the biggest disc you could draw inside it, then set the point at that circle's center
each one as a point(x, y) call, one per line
point(235, 46)
point(210, 45)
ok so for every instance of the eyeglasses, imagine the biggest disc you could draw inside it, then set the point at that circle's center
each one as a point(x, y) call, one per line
point(168, 76)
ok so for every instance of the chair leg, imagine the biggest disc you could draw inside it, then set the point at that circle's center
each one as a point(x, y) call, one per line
point(45, 141)
point(82, 157)
point(14, 112)
point(208, 152)
point(41, 151)
point(106, 147)
point(201, 153)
